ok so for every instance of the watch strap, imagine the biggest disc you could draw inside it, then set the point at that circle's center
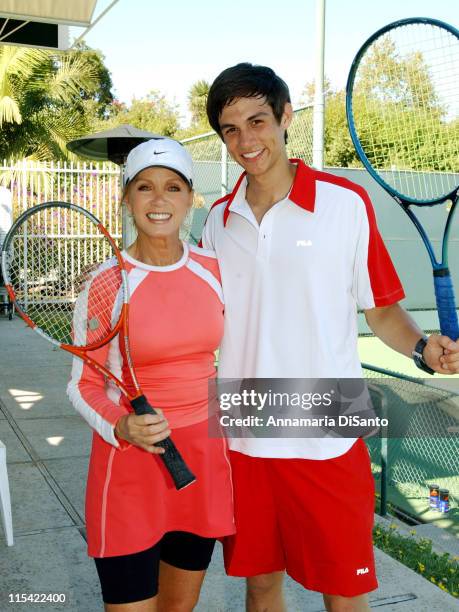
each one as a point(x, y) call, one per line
point(418, 356)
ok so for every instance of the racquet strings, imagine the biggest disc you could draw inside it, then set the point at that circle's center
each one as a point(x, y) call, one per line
point(405, 106)
point(64, 274)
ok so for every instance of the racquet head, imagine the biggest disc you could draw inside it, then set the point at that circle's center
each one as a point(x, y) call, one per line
point(402, 105)
point(53, 257)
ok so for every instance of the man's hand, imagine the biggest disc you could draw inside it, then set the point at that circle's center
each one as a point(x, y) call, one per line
point(143, 431)
point(398, 330)
point(442, 354)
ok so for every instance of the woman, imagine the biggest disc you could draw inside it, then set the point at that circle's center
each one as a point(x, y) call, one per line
point(151, 543)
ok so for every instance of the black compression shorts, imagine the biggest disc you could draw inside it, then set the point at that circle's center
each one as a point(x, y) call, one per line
point(130, 578)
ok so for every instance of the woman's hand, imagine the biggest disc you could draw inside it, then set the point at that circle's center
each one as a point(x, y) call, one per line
point(143, 431)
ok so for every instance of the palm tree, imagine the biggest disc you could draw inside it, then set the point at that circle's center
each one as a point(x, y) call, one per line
point(197, 100)
point(42, 103)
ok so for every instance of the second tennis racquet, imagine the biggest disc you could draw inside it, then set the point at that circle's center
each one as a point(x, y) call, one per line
point(402, 106)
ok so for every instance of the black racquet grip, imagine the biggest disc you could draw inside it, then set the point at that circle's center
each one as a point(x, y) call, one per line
point(173, 460)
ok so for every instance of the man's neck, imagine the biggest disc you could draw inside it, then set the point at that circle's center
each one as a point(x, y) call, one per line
point(265, 190)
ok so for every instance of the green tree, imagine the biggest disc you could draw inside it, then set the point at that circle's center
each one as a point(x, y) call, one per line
point(99, 99)
point(401, 120)
point(197, 100)
point(338, 148)
point(41, 106)
point(152, 113)
point(386, 76)
point(307, 95)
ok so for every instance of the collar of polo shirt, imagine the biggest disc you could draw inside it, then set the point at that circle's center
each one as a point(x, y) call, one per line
point(303, 192)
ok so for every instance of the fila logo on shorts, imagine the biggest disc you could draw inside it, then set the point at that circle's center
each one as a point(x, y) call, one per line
point(362, 570)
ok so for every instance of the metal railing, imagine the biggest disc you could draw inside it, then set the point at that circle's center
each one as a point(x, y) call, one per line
point(94, 187)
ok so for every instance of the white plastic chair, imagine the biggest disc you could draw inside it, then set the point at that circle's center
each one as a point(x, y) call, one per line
point(5, 499)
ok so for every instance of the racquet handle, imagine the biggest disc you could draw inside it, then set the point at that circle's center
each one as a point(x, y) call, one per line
point(446, 303)
point(173, 460)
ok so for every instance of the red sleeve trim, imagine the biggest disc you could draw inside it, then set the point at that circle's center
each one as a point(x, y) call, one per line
point(385, 283)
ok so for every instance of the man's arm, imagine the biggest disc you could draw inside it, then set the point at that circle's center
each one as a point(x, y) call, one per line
point(398, 330)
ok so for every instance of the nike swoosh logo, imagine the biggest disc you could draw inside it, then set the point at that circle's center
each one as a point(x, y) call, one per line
point(159, 152)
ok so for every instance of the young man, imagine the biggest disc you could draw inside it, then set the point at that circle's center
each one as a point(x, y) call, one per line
point(298, 251)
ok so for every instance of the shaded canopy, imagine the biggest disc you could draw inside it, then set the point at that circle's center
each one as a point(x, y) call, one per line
point(110, 145)
point(43, 23)
point(76, 12)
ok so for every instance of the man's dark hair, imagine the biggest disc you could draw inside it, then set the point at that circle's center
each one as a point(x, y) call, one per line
point(246, 81)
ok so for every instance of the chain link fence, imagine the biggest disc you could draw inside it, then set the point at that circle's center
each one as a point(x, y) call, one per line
point(427, 451)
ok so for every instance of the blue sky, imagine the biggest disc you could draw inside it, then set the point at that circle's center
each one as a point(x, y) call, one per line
point(168, 45)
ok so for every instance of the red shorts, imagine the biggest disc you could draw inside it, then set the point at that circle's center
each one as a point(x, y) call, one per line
point(312, 518)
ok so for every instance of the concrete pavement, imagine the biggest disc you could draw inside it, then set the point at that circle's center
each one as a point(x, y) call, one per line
point(47, 453)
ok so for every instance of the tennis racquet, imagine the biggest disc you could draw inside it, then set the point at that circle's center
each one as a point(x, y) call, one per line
point(67, 280)
point(402, 106)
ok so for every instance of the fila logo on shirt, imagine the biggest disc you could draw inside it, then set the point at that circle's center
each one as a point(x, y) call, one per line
point(304, 243)
point(362, 570)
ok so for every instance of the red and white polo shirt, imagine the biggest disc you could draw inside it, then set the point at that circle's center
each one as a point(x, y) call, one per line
point(292, 285)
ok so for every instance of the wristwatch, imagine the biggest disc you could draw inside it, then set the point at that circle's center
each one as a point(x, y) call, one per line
point(418, 357)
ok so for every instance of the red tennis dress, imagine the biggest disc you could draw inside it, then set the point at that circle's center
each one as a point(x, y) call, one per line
point(175, 325)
